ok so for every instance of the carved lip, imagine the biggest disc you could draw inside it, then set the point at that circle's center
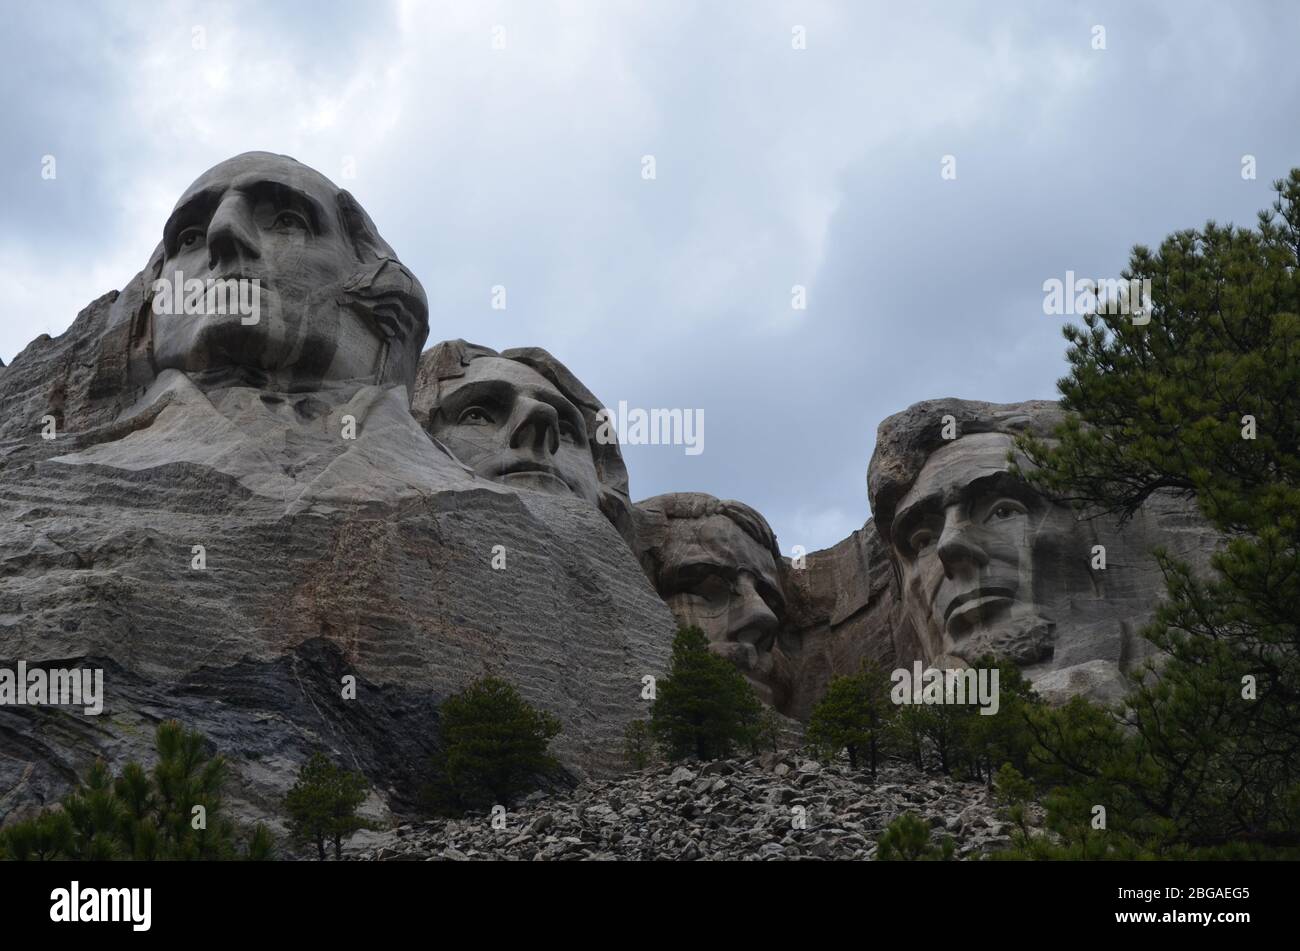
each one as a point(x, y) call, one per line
point(526, 467)
point(976, 600)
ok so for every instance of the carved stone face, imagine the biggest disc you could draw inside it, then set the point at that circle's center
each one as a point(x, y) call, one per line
point(270, 218)
point(987, 564)
point(718, 578)
point(510, 424)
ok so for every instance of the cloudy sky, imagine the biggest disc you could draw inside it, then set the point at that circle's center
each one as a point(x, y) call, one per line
point(523, 166)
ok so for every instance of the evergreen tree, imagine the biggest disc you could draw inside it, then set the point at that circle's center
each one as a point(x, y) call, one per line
point(96, 815)
point(45, 838)
point(1015, 793)
point(141, 815)
point(495, 747)
point(907, 839)
point(185, 778)
point(704, 707)
point(1201, 401)
point(991, 740)
point(638, 744)
point(766, 734)
point(907, 733)
point(855, 715)
point(323, 803)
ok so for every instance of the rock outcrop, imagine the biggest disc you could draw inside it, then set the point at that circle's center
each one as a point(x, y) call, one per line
point(289, 529)
point(962, 558)
point(842, 609)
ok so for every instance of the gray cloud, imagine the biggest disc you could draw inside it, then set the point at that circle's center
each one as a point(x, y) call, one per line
point(775, 167)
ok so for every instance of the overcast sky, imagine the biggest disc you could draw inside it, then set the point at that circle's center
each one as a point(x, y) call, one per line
point(774, 166)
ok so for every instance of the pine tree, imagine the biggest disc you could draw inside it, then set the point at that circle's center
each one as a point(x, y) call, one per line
point(323, 803)
point(855, 716)
point(187, 796)
point(1201, 401)
point(907, 839)
point(992, 740)
point(704, 707)
point(45, 838)
point(141, 815)
point(1015, 793)
point(96, 815)
point(495, 747)
point(638, 744)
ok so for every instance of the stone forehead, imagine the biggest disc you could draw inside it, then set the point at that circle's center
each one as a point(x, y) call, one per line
point(718, 536)
point(501, 368)
point(957, 463)
point(283, 167)
point(906, 440)
point(664, 519)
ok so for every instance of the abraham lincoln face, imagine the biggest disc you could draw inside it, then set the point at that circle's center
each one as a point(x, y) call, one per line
point(972, 542)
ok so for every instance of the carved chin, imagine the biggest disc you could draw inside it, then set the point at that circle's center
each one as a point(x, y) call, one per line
point(1022, 641)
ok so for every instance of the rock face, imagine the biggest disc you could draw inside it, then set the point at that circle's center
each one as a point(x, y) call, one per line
point(521, 418)
point(230, 519)
point(288, 529)
point(737, 810)
point(962, 559)
point(714, 562)
point(842, 609)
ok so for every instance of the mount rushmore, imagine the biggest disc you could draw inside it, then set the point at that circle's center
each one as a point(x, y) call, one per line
point(233, 516)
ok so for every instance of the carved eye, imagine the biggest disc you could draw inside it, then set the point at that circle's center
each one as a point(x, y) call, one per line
point(190, 237)
point(921, 540)
point(290, 221)
point(475, 416)
point(1005, 509)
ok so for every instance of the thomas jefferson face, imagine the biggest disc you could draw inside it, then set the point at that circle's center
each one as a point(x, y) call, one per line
point(269, 218)
point(718, 578)
point(510, 424)
point(967, 538)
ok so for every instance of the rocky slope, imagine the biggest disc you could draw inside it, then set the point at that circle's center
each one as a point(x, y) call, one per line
point(743, 810)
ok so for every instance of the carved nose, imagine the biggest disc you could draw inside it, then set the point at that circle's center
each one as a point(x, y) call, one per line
point(956, 546)
point(232, 234)
point(537, 427)
point(752, 614)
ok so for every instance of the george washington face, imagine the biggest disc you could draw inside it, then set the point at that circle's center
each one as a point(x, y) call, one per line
point(265, 217)
point(510, 424)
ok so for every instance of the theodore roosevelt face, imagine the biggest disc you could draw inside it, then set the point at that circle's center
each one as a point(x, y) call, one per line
point(717, 577)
